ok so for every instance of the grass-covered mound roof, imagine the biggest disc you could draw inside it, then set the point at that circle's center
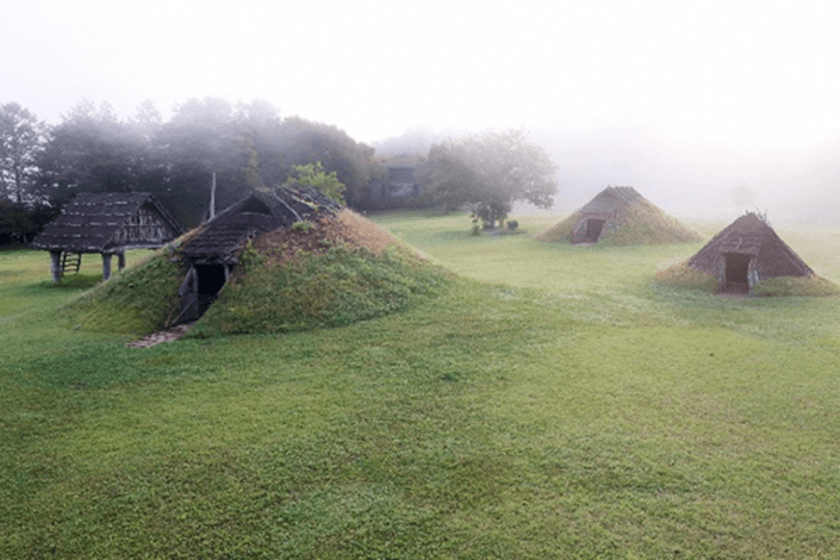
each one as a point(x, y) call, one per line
point(619, 216)
point(331, 271)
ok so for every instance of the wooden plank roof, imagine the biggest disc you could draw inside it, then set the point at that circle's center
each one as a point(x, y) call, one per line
point(257, 213)
point(92, 223)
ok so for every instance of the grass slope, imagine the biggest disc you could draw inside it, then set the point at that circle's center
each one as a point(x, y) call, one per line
point(141, 299)
point(640, 223)
point(329, 288)
point(551, 403)
point(328, 273)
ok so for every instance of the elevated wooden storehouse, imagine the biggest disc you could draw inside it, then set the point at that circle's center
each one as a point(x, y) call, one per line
point(745, 252)
point(108, 224)
point(213, 254)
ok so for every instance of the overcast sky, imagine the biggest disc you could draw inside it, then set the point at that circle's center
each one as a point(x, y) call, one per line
point(740, 74)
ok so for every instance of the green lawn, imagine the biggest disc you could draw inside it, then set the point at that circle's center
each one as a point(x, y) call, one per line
point(555, 403)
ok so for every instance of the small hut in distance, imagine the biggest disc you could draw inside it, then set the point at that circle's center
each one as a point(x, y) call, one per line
point(600, 210)
point(108, 224)
point(745, 252)
point(619, 216)
point(400, 183)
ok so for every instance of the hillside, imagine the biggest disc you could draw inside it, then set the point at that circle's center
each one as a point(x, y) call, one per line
point(333, 271)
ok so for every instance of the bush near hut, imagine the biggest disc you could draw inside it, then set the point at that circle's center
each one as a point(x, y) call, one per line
point(560, 232)
point(685, 276)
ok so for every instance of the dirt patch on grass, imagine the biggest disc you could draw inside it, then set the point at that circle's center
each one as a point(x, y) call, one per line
point(161, 336)
point(317, 236)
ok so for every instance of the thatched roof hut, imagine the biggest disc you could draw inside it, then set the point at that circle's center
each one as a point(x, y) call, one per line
point(619, 216)
point(212, 255)
point(746, 252)
point(105, 223)
point(600, 210)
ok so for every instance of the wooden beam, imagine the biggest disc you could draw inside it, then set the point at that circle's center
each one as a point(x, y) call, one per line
point(55, 265)
point(106, 265)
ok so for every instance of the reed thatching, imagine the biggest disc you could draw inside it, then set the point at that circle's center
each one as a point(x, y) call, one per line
point(619, 216)
point(747, 251)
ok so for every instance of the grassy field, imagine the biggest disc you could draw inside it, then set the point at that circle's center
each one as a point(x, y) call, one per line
point(553, 403)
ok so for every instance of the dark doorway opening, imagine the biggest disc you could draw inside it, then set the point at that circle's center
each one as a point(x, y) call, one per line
point(736, 273)
point(209, 279)
point(593, 229)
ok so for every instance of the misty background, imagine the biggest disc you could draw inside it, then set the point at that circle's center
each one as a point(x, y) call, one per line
point(688, 180)
point(706, 108)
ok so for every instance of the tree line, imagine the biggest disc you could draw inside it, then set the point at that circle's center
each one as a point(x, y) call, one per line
point(241, 148)
point(247, 146)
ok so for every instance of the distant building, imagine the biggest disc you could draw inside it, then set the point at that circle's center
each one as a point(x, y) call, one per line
point(400, 182)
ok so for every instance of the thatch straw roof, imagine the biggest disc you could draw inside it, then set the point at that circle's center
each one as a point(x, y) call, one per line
point(619, 216)
point(611, 199)
point(753, 236)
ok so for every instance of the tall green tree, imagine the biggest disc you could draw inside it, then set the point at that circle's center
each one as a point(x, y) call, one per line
point(490, 171)
point(313, 176)
point(202, 139)
point(149, 162)
point(261, 128)
point(89, 151)
point(303, 142)
point(21, 141)
point(448, 175)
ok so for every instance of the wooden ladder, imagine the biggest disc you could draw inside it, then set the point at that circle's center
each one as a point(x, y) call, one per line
point(72, 260)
